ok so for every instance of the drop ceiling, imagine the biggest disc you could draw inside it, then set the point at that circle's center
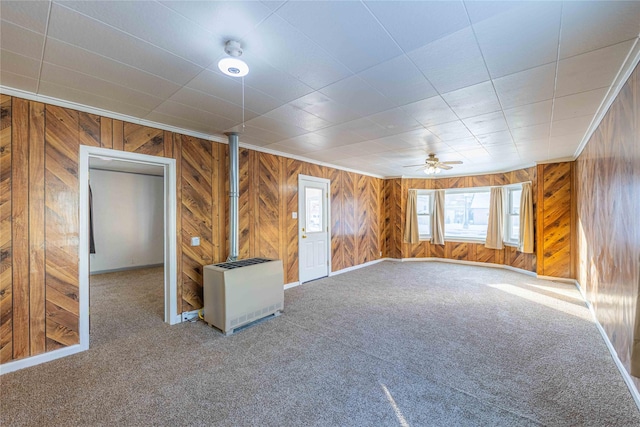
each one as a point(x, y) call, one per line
point(369, 86)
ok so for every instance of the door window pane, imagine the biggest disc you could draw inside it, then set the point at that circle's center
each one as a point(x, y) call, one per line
point(313, 203)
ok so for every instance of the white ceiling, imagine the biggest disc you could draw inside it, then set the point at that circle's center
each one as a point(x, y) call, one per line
point(364, 85)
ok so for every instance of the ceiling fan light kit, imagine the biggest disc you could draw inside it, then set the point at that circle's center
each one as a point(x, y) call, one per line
point(233, 66)
point(432, 165)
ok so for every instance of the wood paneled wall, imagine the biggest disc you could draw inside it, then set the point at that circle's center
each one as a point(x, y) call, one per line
point(39, 214)
point(608, 229)
point(396, 192)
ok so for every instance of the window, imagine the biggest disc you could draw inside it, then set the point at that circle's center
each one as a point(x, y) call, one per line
point(424, 214)
point(512, 234)
point(466, 214)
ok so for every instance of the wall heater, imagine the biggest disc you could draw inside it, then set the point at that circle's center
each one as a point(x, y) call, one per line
point(239, 292)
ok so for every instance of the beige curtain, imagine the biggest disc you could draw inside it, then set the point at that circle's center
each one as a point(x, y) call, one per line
point(411, 233)
point(437, 218)
point(526, 219)
point(495, 228)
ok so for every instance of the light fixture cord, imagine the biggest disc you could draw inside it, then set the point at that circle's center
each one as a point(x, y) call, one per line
point(242, 103)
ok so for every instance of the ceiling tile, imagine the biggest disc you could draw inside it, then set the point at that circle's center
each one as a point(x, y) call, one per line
point(430, 112)
point(270, 80)
point(528, 133)
point(590, 25)
point(211, 104)
point(286, 130)
point(174, 33)
point(395, 120)
point(357, 95)
point(576, 125)
point(413, 24)
point(368, 148)
point(68, 78)
point(74, 28)
point(20, 40)
point(342, 134)
point(521, 37)
point(297, 117)
point(591, 70)
point(225, 20)
point(497, 138)
point(31, 15)
point(452, 62)
point(18, 64)
point(344, 29)
point(18, 81)
point(449, 131)
point(288, 49)
point(320, 105)
point(526, 87)
point(486, 123)
point(83, 61)
point(399, 80)
point(529, 115)
point(230, 90)
point(215, 123)
point(178, 122)
point(90, 99)
point(473, 100)
point(580, 104)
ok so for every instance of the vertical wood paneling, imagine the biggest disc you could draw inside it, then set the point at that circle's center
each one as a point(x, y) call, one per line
point(106, 132)
point(556, 220)
point(196, 217)
point(269, 206)
point(337, 249)
point(20, 227)
point(481, 181)
point(293, 169)
point(350, 226)
point(143, 140)
point(89, 131)
point(61, 226)
point(177, 152)
point(457, 250)
point(245, 219)
point(37, 333)
point(118, 135)
point(608, 230)
point(362, 218)
point(6, 259)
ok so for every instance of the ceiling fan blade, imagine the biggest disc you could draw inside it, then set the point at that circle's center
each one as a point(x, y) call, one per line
point(443, 166)
point(413, 166)
point(453, 162)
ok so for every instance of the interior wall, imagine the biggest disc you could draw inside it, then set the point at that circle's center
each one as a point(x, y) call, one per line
point(398, 190)
point(128, 220)
point(608, 200)
point(39, 214)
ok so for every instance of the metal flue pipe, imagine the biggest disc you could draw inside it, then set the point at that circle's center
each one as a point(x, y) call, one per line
point(233, 195)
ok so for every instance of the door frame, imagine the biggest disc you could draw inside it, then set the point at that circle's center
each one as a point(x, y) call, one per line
point(301, 207)
point(170, 229)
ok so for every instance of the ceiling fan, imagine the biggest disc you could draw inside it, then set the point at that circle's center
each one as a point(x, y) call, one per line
point(433, 165)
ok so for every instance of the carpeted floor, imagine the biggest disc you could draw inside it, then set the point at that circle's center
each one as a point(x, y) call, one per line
point(393, 344)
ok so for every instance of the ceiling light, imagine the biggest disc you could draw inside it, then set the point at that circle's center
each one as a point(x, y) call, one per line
point(430, 170)
point(233, 66)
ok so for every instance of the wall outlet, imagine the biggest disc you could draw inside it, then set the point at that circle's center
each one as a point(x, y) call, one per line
point(195, 241)
point(294, 215)
point(189, 315)
point(380, 253)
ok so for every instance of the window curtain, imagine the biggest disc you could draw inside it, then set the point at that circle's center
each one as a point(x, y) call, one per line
point(495, 228)
point(411, 233)
point(92, 244)
point(526, 219)
point(437, 218)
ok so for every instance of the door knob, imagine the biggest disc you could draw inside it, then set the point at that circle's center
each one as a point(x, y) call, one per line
point(304, 237)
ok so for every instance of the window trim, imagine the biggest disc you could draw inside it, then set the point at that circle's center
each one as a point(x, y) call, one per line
point(426, 237)
point(507, 215)
point(464, 239)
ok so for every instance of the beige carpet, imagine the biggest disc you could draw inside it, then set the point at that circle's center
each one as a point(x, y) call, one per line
point(393, 344)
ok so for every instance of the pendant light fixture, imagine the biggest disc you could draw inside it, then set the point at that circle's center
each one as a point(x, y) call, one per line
point(233, 66)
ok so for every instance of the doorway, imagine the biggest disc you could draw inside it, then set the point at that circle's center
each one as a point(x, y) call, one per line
point(314, 234)
point(135, 162)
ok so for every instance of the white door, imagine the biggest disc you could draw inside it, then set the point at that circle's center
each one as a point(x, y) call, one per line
point(313, 227)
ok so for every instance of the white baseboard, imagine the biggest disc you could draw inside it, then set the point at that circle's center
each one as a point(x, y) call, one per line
point(27, 362)
point(465, 262)
point(291, 285)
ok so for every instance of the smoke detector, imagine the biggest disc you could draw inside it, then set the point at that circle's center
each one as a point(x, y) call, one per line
point(233, 66)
